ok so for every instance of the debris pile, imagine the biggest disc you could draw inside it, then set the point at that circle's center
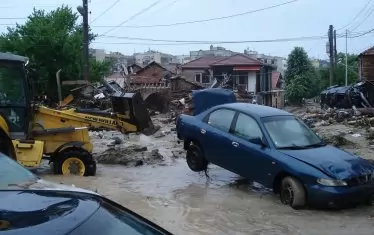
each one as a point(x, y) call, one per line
point(358, 95)
point(314, 116)
point(161, 148)
point(133, 155)
point(96, 95)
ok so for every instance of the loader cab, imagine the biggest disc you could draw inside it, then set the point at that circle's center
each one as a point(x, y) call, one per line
point(14, 95)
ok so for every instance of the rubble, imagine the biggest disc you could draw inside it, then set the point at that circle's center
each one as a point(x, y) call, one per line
point(129, 156)
point(112, 147)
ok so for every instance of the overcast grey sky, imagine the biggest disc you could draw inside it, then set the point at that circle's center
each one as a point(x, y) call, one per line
point(298, 19)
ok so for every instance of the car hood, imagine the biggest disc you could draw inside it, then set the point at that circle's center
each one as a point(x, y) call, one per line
point(41, 184)
point(332, 161)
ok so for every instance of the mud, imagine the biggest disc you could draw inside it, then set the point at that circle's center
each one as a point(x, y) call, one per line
point(184, 202)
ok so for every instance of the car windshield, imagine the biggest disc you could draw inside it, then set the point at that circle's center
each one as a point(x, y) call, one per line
point(112, 220)
point(12, 173)
point(287, 132)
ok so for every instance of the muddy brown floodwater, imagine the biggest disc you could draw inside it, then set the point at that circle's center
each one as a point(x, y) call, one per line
point(185, 202)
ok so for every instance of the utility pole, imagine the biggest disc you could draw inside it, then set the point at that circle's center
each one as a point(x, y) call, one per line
point(85, 42)
point(83, 10)
point(331, 53)
point(335, 51)
point(346, 57)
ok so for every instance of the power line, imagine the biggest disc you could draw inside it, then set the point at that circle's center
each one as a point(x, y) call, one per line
point(205, 20)
point(360, 35)
point(352, 35)
point(368, 14)
point(104, 12)
point(177, 42)
point(133, 16)
point(167, 6)
point(356, 16)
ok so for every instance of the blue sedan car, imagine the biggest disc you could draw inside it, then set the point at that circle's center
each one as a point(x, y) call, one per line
point(274, 148)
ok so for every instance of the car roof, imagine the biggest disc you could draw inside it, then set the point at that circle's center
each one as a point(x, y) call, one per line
point(256, 110)
point(45, 212)
point(12, 57)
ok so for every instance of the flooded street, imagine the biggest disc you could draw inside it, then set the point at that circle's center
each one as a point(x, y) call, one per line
point(167, 192)
point(186, 202)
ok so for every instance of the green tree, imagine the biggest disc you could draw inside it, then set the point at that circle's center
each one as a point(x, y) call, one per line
point(300, 77)
point(339, 71)
point(52, 41)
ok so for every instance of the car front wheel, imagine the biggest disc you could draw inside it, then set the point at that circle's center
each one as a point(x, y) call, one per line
point(195, 158)
point(292, 193)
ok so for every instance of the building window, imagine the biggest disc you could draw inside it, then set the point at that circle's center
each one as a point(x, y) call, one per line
point(198, 77)
point(206, 79)
point(272, 61)
point(243, 80)
point(265, 61)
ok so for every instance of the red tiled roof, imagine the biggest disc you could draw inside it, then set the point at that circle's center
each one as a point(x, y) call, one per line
point(238, 59)
point(369, 51)
point(202, 62)
point(275, 76)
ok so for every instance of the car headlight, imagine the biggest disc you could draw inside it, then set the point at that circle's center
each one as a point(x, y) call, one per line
point(333, 183)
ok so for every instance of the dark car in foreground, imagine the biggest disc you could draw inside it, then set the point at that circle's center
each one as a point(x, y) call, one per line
point(30, 205)
point(67, 212)
point(274, 148)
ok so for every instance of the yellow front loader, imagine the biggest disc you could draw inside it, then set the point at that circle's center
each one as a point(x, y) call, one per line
point(30, 132)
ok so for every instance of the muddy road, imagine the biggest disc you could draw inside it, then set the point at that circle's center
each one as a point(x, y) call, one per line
point(167, 192)
point(185, 202)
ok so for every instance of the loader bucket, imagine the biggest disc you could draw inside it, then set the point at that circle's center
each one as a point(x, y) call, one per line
point(132, 105)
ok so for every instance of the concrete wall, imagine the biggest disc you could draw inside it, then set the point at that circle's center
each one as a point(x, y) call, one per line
point(189, 74)
point(278, 99)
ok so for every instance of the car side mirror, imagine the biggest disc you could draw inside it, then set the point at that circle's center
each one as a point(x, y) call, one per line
point(259, 141)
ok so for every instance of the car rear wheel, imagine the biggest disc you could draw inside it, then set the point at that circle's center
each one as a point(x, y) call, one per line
point(292, 193)
point(195, 158)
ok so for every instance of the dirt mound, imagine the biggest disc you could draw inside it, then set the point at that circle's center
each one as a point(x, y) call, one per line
point(129, 156)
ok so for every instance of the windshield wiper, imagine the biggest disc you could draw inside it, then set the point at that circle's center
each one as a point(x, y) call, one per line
point(293, 147)
point(320, 144)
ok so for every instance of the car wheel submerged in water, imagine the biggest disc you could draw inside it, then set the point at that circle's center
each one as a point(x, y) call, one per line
point(195, 158)
point(292, 193)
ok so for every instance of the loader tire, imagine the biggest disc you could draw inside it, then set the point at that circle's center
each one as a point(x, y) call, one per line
point(74, 161)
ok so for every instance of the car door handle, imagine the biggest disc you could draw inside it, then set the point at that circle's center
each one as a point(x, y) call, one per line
point(202, 131)
point(235, 144)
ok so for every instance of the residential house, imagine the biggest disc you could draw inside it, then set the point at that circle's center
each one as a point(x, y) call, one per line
point(133, 68)
point(98, 54)
point(150, 56)
point(279, 62)
point(147, 57)
point(366, 65)
point(238, 71)
point(152, 73)
point(199, 70)
point(213, 51)
point(277, 90)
